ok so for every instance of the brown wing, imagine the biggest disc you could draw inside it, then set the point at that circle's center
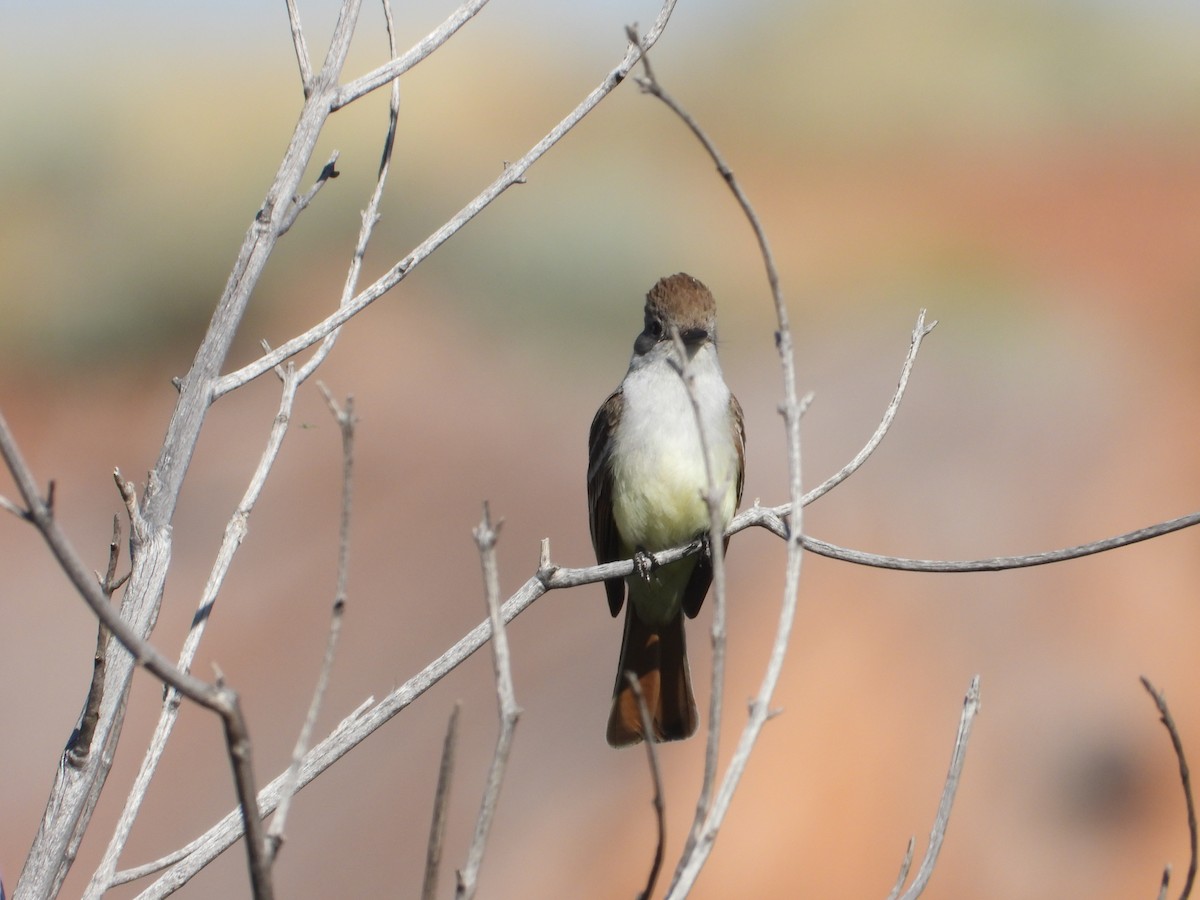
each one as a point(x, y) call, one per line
point(605, 539)
point(702, 575)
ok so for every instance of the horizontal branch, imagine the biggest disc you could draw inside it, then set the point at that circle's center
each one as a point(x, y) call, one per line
point(997, 563)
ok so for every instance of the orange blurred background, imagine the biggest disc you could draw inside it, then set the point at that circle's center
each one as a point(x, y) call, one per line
point(1028, 172)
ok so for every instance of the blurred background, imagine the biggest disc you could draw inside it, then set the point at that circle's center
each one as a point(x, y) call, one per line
point(1028, 171)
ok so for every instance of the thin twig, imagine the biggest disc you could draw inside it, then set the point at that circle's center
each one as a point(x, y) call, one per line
point(11, 507)
point(299, 204)
point(714, 496)
point(344, 416)
point(81, 743)
point(485, 538)
point(1185, 779)
point(275, 835)
point(942, 820)
point(918, 335)
point(660, 812)
point(302, 57)
point(1165, 883)
point(905, 865)
point(996, 563)
point(441, 803)
point(398, 65)
point(370, 215)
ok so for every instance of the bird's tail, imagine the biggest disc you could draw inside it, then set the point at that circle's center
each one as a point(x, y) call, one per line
point(658, 659)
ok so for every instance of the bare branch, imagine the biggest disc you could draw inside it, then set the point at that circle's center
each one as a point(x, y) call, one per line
point(352, 731)
point(302, 57)
point(660, 812)
point(217, 698)
point(370, 215)
point(397, 66)
point(918, 335)
point(237, 527)
point(11, 507)
point(81, 744)
point(485, 539)
point(1185, 779)
point(365, 721)
point(344, 416)
point(75, 791)
point(441, 801)
point(942, 820)
point(75, 795)
point(237, 739)
point(905, 865)
point(275, 834)
point(299, 204)
point(714, 495)
point(512, 174)
point(235, 532)
point(87, 585)
point(991, 564)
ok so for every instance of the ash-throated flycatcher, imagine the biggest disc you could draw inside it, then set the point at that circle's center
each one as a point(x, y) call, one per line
point(646, 487)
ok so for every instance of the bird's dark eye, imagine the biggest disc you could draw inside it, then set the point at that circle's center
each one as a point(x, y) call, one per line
point(656, 328)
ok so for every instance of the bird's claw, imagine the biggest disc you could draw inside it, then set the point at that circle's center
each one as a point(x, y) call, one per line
point(643, 563)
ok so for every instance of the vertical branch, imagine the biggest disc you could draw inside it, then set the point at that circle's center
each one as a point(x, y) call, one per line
point(1185, 779)
point(713, 497)
point(708, 822)
point(237, 740)
point(441, 802)
point(302, 57)
point(81, 745)
point(660, 812)
point(346, 420)
point(485, 539)
point(942, 820)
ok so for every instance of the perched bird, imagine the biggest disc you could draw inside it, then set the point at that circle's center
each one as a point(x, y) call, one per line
point(646, 486)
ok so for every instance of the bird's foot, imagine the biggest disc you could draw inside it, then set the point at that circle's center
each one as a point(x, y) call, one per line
point(644, 563)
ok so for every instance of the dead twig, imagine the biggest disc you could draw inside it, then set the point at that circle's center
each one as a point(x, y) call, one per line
point(660, 811)
point(485, 539)
point(1185, 779)
point(441, 802)
point(942, 820)
point(344, 416)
